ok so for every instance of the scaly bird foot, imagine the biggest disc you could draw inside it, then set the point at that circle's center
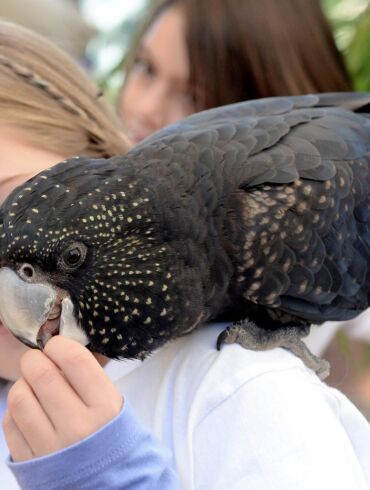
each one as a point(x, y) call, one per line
point(249, 335)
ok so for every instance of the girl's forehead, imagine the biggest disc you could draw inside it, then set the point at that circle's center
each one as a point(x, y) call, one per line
point(165, 43)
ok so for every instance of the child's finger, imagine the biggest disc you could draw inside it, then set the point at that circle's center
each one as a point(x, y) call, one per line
point(18, 447)
point(84, 373)
point(55, 395)
point(29, 417)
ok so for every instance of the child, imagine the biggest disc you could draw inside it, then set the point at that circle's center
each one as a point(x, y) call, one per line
point(49, 111)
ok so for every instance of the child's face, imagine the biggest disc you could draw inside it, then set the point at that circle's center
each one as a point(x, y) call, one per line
point(19, 161)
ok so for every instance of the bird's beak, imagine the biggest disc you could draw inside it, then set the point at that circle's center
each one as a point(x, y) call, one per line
point(28, 311)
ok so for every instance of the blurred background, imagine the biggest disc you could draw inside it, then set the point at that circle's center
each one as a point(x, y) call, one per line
point(98, 34)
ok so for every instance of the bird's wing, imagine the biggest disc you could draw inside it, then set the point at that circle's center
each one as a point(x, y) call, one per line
point(273, 106)
point(245, 137)
point(306, 259)
point(214, 118)
point(309, 249)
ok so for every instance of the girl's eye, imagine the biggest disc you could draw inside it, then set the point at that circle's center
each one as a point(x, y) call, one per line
point(144, 65)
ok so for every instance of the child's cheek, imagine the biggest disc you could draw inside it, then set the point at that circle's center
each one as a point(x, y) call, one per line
point(11, 351)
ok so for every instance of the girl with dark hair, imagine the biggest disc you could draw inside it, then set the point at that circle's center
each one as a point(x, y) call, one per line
point(192, 55)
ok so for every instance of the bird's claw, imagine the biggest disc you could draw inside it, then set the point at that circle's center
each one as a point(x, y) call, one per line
point(323, 369)
point(250, 336)
point(221, 339)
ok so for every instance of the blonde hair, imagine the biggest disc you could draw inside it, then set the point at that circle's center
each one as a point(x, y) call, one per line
point(45, 93)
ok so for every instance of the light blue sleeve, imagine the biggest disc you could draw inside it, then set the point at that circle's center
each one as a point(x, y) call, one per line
point(121, 455)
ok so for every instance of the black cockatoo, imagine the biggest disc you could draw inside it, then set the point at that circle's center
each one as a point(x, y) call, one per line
point(257, 213)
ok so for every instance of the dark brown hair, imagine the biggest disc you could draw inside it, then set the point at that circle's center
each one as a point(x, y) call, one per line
point(247, 49)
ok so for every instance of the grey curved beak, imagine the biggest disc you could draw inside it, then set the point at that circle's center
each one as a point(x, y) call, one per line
point(25, 307)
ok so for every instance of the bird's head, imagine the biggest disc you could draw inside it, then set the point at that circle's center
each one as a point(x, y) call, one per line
point(87, 252)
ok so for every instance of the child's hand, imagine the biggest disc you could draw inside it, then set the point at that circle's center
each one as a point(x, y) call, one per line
point(62, 397)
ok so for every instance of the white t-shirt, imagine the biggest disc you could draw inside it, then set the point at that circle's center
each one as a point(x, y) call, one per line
point(239, 419)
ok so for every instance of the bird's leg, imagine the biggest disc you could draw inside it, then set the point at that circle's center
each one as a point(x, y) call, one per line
point(249, 335)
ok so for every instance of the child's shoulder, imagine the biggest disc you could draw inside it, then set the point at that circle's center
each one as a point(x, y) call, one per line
point(190, 371)
point(217, 375)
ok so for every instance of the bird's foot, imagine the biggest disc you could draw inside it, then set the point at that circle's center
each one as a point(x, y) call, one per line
point(249, 335)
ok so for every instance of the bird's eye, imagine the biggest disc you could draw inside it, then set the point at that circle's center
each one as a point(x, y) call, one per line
point(73, 256)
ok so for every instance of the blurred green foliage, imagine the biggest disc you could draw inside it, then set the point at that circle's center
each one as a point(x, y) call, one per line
point(108, 50)
point(350, 20)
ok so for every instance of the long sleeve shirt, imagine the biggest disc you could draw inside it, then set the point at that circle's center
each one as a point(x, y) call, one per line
point(121, 455)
